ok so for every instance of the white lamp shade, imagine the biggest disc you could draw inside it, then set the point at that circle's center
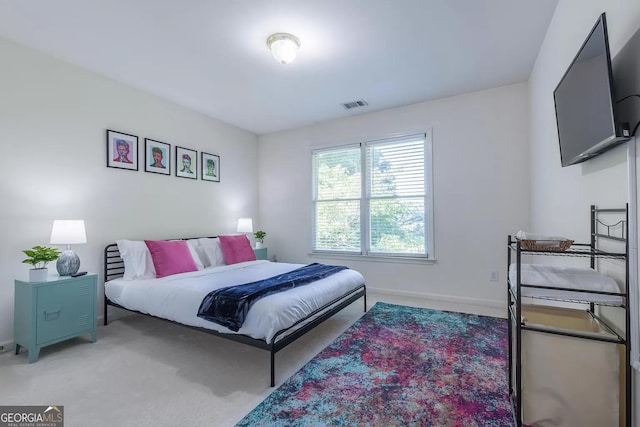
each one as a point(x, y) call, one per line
point(245, 225)
point(68, 232)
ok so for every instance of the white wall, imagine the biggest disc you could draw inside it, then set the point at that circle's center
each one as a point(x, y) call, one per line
point(53, 118)
point(481, 187)
point(560, 197)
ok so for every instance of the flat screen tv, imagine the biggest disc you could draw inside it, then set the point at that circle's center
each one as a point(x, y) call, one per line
point(585, 109)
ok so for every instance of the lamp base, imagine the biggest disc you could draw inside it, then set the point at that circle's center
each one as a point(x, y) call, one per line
point(68, 263)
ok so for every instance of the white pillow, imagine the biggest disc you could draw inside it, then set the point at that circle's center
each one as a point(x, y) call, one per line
point(137, 260)
point(193, 245)
point(210, 252)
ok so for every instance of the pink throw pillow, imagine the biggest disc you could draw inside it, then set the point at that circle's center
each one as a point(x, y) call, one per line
point(171, 257)
point(236, 249)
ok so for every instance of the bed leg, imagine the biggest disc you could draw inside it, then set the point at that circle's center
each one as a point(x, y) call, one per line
point(105, 311)
point(273, 367)
point(365, 302)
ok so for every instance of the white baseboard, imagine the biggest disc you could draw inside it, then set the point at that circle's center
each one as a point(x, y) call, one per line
point(471, 305)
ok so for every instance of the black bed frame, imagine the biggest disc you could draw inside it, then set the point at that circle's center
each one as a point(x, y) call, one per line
point(114, 269)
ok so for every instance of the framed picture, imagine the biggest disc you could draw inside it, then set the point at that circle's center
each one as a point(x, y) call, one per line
point(186, 163)
point(210, 167)
point(157, 157)
point(122, 150)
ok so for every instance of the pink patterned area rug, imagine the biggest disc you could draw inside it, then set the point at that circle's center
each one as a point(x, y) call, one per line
point(400, 366)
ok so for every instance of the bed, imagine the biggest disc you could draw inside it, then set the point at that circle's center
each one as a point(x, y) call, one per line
point(271, 323)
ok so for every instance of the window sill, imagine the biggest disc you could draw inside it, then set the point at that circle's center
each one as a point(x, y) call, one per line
point(374, 258)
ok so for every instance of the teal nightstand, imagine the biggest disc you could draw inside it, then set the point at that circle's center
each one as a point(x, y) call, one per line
point(260, 253)
point(56, 310)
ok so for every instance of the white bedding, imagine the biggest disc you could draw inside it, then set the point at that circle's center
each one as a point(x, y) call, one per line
point(178, 297)
point(566, 277)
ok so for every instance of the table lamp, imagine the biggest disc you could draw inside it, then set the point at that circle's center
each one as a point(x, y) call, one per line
point(245, 225)
point(68, 232)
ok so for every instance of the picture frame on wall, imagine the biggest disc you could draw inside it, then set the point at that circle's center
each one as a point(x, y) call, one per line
point(157, 157)
point(210, 164)
point(122, 150)
point(186, 163)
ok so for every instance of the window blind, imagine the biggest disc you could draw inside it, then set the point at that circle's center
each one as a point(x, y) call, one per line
point(372, 198)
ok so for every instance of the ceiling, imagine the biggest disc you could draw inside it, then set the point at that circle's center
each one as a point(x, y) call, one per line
point(211, 55)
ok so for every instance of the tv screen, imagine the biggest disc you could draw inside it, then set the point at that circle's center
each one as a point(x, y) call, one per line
point(584, 102)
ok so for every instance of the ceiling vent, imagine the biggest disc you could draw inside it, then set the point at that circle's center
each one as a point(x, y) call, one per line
point(355, 104)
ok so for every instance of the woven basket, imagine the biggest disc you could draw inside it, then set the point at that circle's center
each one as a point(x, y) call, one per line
point(533, 245)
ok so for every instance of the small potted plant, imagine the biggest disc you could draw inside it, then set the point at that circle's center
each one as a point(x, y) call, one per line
point(39, 257)
point(259, 235)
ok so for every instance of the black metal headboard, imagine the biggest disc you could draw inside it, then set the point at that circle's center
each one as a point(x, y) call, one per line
point(113, 264)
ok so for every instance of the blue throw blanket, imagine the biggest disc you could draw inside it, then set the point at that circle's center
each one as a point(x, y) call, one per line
point(229, 306)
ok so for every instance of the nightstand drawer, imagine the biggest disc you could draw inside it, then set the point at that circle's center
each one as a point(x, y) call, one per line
point(64, 310)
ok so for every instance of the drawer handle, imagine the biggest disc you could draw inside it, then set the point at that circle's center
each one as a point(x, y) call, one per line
point(52, 313)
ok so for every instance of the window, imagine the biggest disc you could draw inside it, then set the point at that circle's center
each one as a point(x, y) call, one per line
point(374, 198)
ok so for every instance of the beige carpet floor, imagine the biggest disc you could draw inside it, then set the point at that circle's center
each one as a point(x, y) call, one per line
point(146, 372)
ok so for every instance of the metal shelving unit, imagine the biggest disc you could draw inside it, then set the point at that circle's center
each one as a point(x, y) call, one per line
point(599, 231)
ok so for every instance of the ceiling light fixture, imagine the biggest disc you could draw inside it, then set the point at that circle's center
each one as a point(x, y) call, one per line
point(283, 46)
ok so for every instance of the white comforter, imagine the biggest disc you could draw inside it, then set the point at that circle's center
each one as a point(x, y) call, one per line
point(178, 297)
point(577, 278)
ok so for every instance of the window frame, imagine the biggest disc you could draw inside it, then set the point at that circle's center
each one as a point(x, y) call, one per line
point(365, 199)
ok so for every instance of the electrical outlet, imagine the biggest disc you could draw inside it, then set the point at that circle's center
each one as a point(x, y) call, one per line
point(494, 276)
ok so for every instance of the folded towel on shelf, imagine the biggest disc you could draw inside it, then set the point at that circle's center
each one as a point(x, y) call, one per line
point(576, 278)
point(541, 239)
